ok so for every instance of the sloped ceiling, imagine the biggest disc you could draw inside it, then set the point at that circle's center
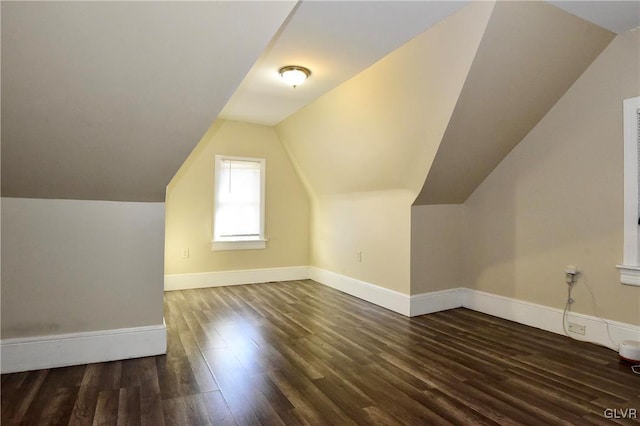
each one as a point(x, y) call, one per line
point(529, 56)
point(105, 100)
point(336, 40)
point(380, 130)
point(614, 15)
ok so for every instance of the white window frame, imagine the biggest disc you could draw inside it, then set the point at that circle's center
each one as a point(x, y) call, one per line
point(230, 243)
point(630, 267)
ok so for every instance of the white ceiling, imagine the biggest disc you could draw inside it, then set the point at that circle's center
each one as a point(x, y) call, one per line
point(616, 16)
point(338, 39)
point(104, 100)
point(335, 40)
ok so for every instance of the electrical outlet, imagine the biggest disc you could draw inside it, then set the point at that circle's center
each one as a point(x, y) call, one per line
point(571, 274)
point(185, 253)
point(573, 270)
point(359, 256)
point(576, 328)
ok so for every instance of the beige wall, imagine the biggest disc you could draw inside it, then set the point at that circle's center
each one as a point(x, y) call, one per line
point(439, 250)
point(557, 199)
point(189, 205)
point(364, 148)
point(72, 266)
point(375, 224)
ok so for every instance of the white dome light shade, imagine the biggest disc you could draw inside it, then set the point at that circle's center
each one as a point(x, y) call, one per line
point(294, 75)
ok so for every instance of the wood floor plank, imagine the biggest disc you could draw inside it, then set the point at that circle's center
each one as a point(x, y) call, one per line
point(246, 400)
point(299, 353)
point(107, 408)
point(84, 407)
point(56, 379)
point(17, 398)
point(58, 409)
point(310, 404)
point(532, 404)
point(150, 394)
point(177, 378)
point(201, 409)
point(151, 410)
point(217, 409)
point(129, 407)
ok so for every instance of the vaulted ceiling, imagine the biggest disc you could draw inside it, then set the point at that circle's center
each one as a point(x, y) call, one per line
point(530, 54)
point(336, 40)
point(435, 116)
point(105, 100)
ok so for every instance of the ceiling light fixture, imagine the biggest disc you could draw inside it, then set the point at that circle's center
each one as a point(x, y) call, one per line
point(294, 74)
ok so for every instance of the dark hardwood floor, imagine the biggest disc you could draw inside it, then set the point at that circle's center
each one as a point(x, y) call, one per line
point(301, 353)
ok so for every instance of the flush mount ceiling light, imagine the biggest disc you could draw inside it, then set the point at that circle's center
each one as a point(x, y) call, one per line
point(294, 75)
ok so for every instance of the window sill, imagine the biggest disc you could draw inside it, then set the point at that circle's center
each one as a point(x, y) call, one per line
point(629, 275)
point(238, 245)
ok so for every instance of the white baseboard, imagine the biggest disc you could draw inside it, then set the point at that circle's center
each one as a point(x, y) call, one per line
point(436, 301)
point(539, 316)
point(548, 318)
point(520, 311)
point(34, 353)
point(224, 278)
point(392, 300)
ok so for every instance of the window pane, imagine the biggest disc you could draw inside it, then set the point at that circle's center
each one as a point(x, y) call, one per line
point(239, 199)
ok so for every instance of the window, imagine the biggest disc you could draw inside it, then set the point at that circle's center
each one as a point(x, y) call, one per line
point(630, 268)
point(238, 222)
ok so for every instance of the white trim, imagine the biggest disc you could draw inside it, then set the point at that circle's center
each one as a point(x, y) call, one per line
point(224, 278)
point(392, 300)
point(548, 318)
point(238, 245)
point(35, 353)
point(629, 273)
point(217, 242)
point(436, 301)
point(520, 311)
